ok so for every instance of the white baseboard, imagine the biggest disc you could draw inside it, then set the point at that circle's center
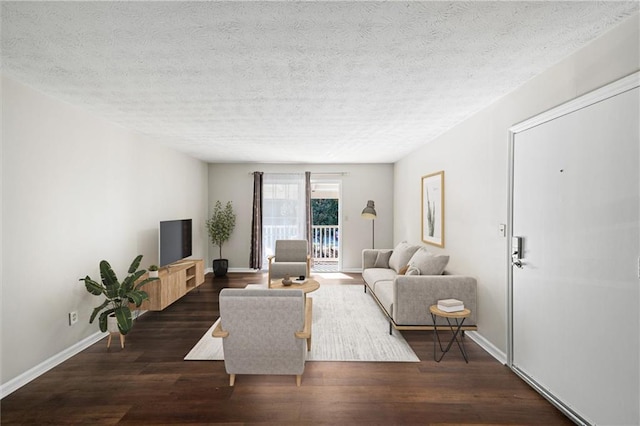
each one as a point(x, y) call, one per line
point(33, 373)
point(29, 375)
point(256, 271)
point(247, 270)
point(487, 346)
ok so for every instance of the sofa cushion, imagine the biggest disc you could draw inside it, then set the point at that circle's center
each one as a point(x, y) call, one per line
point(428, 263)
point(401, 255)
point(384, 293)
point(373, 275)
point(382, 260)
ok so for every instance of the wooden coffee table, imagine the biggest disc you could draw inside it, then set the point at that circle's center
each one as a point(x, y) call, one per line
point(308, 286)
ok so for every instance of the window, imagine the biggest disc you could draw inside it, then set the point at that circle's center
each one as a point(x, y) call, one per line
point(283, 210)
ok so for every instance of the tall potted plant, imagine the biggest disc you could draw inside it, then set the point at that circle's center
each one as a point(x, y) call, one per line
point(118, 295)
point(220, 226)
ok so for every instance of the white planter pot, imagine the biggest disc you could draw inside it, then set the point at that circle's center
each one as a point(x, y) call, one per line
point(153, 274)
point(112, 324)
point(112, 328)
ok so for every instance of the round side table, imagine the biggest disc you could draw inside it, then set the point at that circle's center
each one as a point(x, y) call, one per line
point(459, 318)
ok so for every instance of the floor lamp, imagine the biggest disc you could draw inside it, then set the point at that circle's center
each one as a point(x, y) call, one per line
point(369, 212)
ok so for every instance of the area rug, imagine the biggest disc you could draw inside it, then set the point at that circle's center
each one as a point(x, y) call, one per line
point(348, 325)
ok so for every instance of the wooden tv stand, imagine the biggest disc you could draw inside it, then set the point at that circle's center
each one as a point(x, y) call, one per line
point(175, 280)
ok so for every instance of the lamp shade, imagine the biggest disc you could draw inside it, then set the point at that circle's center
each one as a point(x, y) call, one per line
point(369, 212)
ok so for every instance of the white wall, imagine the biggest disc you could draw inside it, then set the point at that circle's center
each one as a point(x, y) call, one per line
point(77, 189)
point(474, 156)
point(234, 182)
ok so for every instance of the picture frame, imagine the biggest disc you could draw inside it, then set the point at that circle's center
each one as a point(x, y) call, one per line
point(432, 201)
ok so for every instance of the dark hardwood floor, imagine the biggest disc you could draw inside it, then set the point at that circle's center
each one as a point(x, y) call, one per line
point(149, 382)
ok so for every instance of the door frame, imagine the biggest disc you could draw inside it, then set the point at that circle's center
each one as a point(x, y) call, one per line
point(615, 88)
point(330, 179)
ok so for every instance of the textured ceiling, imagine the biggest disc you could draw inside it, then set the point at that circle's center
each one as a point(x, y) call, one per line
point(311, 82)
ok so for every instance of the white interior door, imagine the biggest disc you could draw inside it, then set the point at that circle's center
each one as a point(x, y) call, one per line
point(575, 301)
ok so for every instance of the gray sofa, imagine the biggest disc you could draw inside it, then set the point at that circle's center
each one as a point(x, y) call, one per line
point(407, 280)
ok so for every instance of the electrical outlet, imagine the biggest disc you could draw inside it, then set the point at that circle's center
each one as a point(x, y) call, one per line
point(73, 317)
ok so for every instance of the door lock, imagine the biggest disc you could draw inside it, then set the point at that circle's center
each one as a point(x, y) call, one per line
point(516, 252)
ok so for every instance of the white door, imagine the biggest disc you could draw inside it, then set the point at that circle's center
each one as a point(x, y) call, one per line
point(575, 308)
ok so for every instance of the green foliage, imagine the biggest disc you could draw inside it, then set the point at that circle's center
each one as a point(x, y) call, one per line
point(325, 211)
point(153, 267)
point(431, 216)
point(221, 224)
point(118, 296)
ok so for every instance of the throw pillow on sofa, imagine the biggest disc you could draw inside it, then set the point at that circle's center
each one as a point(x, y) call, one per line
point(412, 270)
point(401, 255)
point(428, 263)
point(382, 259)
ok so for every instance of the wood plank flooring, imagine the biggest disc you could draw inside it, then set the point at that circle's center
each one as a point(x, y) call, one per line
point(149, 382)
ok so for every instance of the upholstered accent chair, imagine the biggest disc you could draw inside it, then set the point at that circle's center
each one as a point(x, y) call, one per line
point(264, 331)
point(291, 258)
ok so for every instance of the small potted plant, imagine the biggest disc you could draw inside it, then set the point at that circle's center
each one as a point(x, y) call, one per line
point(118, 295)
point(220, 226)
point(153, 271)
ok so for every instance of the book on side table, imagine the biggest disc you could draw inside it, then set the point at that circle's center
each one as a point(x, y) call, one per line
point(450, 305)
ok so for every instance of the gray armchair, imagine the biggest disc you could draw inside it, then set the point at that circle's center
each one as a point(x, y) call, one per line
point(290, 258)
point(264, 331)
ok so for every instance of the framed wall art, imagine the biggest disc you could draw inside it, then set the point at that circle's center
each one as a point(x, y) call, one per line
point(433, 209)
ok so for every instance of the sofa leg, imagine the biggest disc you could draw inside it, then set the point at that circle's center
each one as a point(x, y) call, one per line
point(390, 328)
point(365, 288)
point(298, 379)
point(232, 379)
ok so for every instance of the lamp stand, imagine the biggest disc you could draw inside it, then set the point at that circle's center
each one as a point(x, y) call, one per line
point(373, 233)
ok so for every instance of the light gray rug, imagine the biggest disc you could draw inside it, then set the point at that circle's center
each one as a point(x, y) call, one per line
point(348, 325)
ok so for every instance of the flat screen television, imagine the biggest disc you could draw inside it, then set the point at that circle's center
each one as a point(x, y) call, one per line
point(175, 240)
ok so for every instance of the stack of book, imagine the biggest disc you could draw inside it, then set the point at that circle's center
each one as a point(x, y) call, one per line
point(450, 305)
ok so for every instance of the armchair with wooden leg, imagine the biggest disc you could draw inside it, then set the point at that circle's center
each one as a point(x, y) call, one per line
point(264, 331)
point(290, 258)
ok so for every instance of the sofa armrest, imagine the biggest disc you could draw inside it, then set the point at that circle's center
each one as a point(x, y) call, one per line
point(413, 294)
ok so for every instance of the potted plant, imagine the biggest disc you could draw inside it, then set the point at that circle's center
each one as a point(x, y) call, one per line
point(220, 226)
point(118, 295)
point(153, 271)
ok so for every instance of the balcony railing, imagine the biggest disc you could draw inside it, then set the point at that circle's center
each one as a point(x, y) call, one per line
point(325, 243)
point(325, 240)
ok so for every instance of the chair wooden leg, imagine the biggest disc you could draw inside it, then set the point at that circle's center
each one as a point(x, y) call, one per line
point(122, 341)
point(298, 379)
point(232, 379)
point(109, 340)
